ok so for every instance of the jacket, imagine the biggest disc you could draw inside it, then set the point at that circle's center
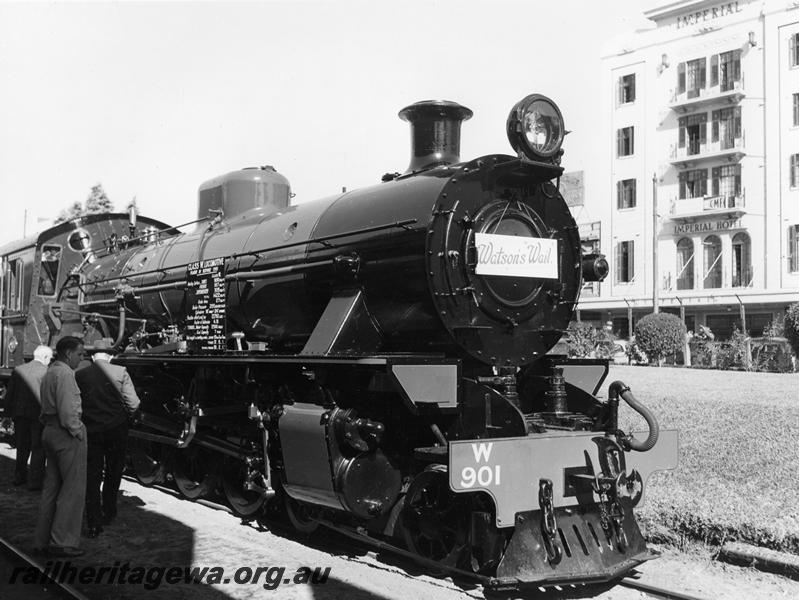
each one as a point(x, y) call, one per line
point(107, 394)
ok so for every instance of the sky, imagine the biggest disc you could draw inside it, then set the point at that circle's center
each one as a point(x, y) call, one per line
point(151, 99)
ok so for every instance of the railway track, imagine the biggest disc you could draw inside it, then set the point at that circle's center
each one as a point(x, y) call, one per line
point(631, 582)
point(657, 591)
point(43, 589)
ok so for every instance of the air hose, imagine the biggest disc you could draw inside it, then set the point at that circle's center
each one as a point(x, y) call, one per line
point(618, 389)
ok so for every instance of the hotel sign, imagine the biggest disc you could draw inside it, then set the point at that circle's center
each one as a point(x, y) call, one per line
point(706, 226)
point(708, 14)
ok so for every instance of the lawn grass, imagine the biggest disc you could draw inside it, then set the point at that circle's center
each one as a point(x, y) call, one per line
point(738, 477)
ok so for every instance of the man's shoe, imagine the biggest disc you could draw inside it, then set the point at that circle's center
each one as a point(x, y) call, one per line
point(66, 552)
point(93, 532)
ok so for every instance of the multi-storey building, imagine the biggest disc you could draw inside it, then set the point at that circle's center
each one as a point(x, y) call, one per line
point(698, 202)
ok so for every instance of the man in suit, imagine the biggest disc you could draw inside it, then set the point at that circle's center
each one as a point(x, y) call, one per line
point(64, 441)
point(109, 398)
point(24, 401)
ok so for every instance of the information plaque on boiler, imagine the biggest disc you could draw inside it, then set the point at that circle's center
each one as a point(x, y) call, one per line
point(205, 299)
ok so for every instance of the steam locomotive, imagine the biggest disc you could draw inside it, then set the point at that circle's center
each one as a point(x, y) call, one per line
point(379, 361)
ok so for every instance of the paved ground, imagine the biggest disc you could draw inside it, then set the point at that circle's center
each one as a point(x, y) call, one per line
point(159, 530)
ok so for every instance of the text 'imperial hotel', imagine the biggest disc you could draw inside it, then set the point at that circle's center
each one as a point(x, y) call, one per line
point(702, 123)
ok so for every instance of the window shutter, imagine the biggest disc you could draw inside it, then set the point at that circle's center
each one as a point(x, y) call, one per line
point(618, 142)
point(681, 78)
point(619, 192)
point(618, 262)
point(632, 141)
point(703, 133)
point(738, 122)
point(632, 88)
point(702, 73)
point(620, 91)
point(633, 186)
point(716, 175)
point(681, 177)
point(681, 125)
point(792, 50)
point(630, 260)
point(703, 182)
point(714, 70)
point(736, 65)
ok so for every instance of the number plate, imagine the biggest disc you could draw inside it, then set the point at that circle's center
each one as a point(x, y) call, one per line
point(509, 469)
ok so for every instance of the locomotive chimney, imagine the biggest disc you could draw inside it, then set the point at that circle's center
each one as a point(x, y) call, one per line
point(435, 132)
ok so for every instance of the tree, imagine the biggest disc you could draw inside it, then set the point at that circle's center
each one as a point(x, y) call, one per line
point(660, 335)
point(97, 202)
point(73, 212)
point(791, 326)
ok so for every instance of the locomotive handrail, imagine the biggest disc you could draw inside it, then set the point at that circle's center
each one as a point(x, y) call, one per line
point(325, 238)
point(320, 240)
point(143, 236)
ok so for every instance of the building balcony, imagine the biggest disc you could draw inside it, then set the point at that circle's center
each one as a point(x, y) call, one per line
point(726, 93)
point(694, 153)
point(731, 205)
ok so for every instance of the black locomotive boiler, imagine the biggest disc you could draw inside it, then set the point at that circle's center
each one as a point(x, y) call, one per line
point(378, 361)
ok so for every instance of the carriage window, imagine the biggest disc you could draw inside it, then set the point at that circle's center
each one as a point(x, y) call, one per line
point(48, 274)
point(14, 284)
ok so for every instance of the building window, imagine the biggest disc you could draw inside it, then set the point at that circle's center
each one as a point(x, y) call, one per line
point(741, 260)
point(693, 184)
point(796, 110)
point(726, 126)
point(729, 70)
point(713, 265)
point(625, 262)
point(625, 141)
point(685, 264)
point(727, 183)
point(793, 248)
point(693, 133)
point(627, 89)
point(793, 50)
point(691, 77)
point(794, 170)
point(625, 193)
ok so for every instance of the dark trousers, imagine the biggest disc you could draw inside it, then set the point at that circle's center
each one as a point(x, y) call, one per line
point(29, 445)
point(105, 463)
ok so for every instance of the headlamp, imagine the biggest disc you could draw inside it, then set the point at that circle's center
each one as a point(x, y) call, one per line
point(535, 127)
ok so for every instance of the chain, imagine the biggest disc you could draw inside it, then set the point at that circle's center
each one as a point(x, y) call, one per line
point(549, 525)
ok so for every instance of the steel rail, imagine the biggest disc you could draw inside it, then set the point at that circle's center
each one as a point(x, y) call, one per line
point(61, 589)
point(657, 591)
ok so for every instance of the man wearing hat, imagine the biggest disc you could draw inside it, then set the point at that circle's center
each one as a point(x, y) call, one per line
point(109, 398)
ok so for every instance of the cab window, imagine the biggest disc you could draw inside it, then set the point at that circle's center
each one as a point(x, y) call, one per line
point(14, 284)
point(48, 273)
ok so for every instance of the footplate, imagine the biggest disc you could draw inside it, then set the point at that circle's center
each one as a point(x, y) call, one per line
point(589, 553)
